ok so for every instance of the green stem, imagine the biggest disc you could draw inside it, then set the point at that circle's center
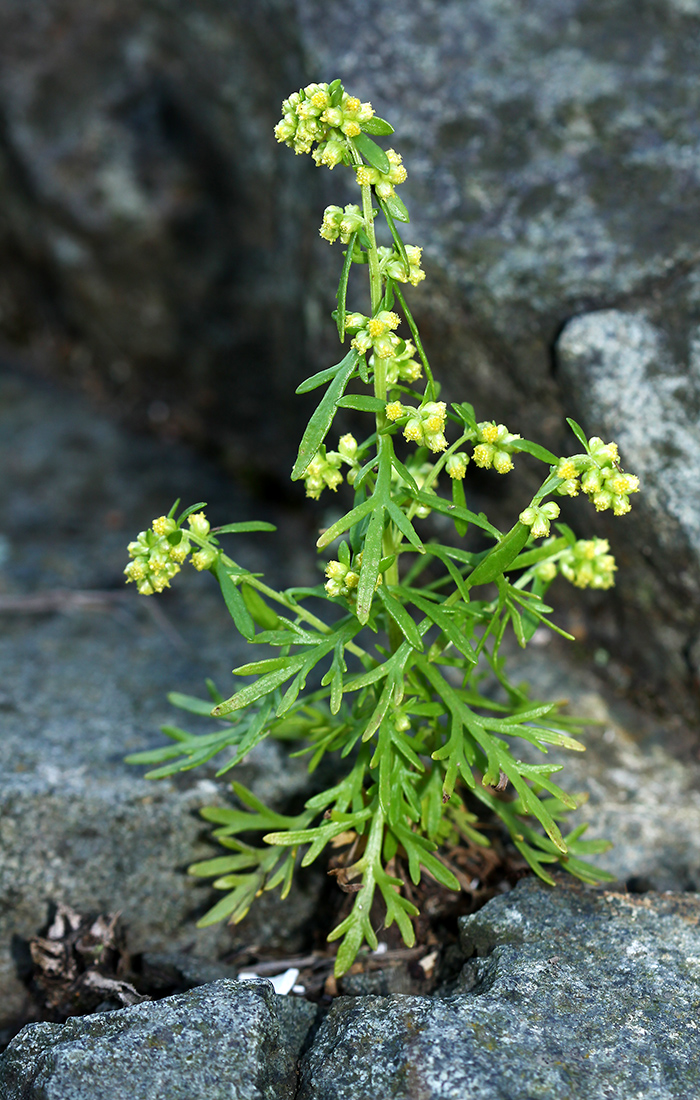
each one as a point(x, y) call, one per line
point(296, 609)
point(391, 575)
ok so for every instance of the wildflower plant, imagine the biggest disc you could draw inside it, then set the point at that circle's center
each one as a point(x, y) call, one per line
point(394, 644)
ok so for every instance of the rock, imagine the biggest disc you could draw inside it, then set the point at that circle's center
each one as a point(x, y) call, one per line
point(85, 686)
point(633, 381)
point(544, 185)
point(573, 993)
point(220, 1040)
point(135, 248)
point(642, 791)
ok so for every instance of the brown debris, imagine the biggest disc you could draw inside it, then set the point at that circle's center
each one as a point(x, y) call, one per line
point(80, 963)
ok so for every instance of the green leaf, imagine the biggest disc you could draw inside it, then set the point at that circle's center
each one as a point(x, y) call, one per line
point(371, 556)
point(401, 247)
point(395, 206)
point(402, 618)
point(535, 449)
point(320, 422)
point(404, 473)
point(189, 703)
point(501, 556)
point(319, 379)
point(459, 501)
point(537, 554)
point(335, 91)
point(350, 519)
point(377, 126)
point(234, 601)
point(578, 432)
point(445, 622)
point(247, 525)
point(446, 508)
point(188, 511)
point(269, 664)
point(405, 526)
point(465, 412)
point(261, 687)
point(371, 152)
point(263, 615)
point(362, 402)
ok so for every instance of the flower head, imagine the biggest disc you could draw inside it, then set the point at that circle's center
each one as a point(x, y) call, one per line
point(325, 116)
point(494, 447)
point(538, 518)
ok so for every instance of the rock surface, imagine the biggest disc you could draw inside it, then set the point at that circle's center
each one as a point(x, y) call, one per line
point(228, 1039)
point(136, 146)
point(639, 383)
point(552, 172)
point(565, 992)
point(85, 685)
point(578, 993)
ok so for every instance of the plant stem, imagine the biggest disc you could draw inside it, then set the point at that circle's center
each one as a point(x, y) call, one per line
point(391, 575)
point(295, 608)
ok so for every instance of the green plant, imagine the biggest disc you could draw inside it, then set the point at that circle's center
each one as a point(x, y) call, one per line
point(397, 664)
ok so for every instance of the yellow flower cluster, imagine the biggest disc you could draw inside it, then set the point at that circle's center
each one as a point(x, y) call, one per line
point(383, 182)
point(342, 580)
point(375, 334)
point(600, 476)
point(340, 223)
point(425, 426)
point(587, 564)
point(538, 518)
point(494, 447)
point(392, 265)
point(317, 114)
point(323, 472)
point(159, 553)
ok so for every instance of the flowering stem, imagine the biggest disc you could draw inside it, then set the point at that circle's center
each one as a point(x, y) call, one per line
point(290, 605)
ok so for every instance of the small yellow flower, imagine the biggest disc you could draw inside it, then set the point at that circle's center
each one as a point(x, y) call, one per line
point(395, 410)
point(488, 432)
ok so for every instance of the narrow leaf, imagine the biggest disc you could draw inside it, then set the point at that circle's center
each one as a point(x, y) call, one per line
point(397, 208)
point(234, 601)
point(401, 247)
point(248, 525)
point(261, 687)
point(371, 556)
point(371, 152)
point(320, 422)
point(350, 519)
point(578, 432)
point(377, 126)
point(342, 291)
point(320, 379)
point(501, 556)
point(362, 402)
point(405, 526)
point(402, 618)
point(536, 450)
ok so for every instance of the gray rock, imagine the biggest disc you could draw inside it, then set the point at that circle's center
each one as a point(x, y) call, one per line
point(220, 1041)
point(550, 152)
point(83, 687)
point(574, 993)
point(133, 239)
point(642, 794)
point(633, 382)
